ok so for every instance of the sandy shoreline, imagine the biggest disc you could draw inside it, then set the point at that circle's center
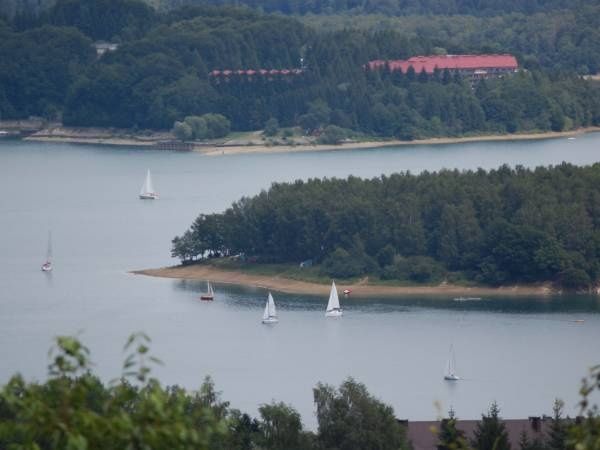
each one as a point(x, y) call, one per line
point(365, 145)
point(106, 137)
point(289, 286)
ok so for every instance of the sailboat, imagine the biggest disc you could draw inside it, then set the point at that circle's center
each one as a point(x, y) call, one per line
point(270, 314)
point(147, 191)
point(451, 367)
point(47, 266)
point(209, 294)
point(333, 305)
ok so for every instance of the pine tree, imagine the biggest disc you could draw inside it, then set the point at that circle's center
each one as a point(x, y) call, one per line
point(526, 444)
point(450, 437)
point(490, 433)
point(557, 434)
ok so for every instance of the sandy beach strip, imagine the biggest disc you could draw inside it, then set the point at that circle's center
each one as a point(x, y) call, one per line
point(279, 284)
point(102, 137)
point(366, 145)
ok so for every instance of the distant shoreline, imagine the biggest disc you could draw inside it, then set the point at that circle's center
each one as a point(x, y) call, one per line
point(111, 137)
point(203, 272)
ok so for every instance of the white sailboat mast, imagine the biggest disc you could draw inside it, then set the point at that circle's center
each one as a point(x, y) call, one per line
point(149, 187)
point(49, 249)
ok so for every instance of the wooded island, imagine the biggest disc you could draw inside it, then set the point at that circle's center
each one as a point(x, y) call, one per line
point(494, 228)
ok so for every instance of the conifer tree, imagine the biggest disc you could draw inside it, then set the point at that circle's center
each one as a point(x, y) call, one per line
point(557, 435)
point(490, 433)
point(450, 437)
point(530, 444)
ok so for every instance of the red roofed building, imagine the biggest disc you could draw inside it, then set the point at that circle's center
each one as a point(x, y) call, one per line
point(474, 66)
point(251, 74)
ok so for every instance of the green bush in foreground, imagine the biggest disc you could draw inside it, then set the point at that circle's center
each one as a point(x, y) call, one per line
point(73, 410)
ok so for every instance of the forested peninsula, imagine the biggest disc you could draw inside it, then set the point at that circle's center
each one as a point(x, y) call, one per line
point(493, 228)
point(156, 72)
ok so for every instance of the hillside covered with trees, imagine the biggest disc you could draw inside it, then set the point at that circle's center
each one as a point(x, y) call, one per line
point(498, 227)
point(160, 72)
point(396, 7)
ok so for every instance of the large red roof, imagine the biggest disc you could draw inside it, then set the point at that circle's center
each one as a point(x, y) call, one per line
point(451, 62)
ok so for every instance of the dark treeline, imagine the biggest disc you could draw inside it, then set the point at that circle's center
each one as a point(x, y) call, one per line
point(561, 41)
point(159, 74)
point(497, 227)
point(73, 409)
point(397, 7)
point(33, 9)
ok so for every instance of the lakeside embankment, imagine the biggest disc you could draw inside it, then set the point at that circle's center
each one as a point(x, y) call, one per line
point(253, 142)
point(360, 289)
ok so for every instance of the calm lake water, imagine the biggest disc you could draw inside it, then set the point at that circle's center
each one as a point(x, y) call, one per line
point(521, 352)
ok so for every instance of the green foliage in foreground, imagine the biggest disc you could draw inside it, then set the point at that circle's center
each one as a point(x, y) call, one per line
point(497, 227)
point(74, 410)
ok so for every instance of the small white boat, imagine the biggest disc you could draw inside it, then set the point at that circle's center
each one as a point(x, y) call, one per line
point(47, 266)
point(209, 294)
point(451, 367)
point(571, 138)
point(147, 191)
point(270, 314)
point(333, 305)
point(467, 299)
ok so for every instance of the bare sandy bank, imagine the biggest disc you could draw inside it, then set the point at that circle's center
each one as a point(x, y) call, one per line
point(253, 143)
point(99, 136)
point(361, 289)
point(262, 148)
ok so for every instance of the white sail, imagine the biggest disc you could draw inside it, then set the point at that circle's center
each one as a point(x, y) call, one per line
point(270, 313)
point(271, 306)
point(147, 191)
point(209, 294)
point(451, 366)
point(333, 305)
point(147, 187)
point(47, 266)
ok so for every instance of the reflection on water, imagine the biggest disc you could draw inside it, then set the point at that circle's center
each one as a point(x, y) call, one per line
point(250, 297)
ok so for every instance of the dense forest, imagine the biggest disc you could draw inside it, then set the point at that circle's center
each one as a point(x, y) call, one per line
point(159, 73)
point(498, 227)
point(73, 409)
point(397, 7)
point(10, 8)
